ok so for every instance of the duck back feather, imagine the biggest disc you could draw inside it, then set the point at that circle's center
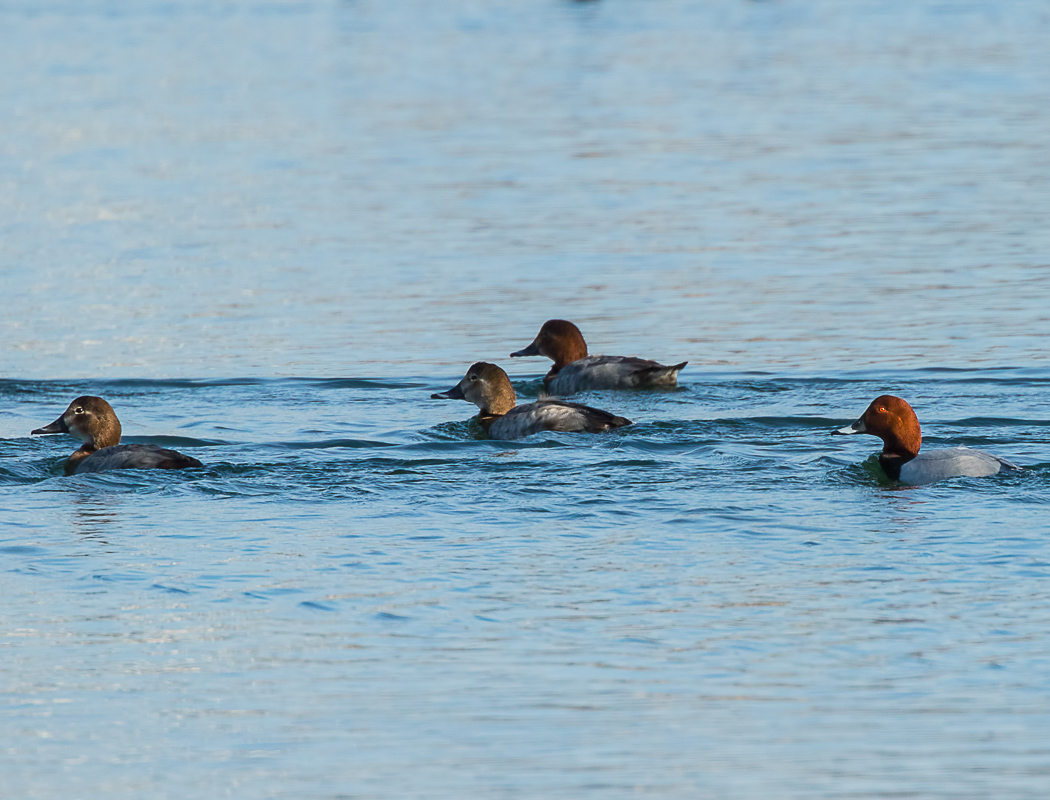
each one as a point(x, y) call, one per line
point(613, 372)
point(134, 456)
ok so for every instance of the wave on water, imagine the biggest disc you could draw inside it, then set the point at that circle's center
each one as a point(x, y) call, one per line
point(318, 437)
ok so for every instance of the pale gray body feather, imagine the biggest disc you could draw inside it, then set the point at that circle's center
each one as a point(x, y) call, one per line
point(613, 372)
point(552, 415)
point(952, 462)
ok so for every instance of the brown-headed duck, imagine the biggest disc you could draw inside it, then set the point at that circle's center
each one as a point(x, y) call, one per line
point(93, 421)
point(488, 387)
point(575, 371)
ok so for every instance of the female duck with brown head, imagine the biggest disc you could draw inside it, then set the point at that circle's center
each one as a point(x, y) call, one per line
point(575, 371)
point(488, 387)
point(93, 421)
point(894, 421)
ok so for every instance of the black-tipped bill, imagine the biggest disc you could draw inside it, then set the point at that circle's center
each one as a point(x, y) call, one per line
point(856, 427)
point(531, 350)
point(58, 426)
point(455, 393)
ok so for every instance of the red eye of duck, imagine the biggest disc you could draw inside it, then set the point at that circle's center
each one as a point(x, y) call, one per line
point(880, 410)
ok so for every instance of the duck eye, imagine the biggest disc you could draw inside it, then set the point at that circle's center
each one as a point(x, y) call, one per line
point(78, 410)
point(473, 378)
point(881, 410)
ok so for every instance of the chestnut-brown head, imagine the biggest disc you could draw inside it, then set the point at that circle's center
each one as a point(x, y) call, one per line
point(558, 340)
point(892, 420)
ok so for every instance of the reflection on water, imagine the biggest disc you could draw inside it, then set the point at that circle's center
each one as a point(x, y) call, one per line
point(93, 516)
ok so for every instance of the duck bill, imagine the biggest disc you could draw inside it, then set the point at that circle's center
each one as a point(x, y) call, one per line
point(455, 393)
point(58, 426)
point(856, 427)
point(531, 350)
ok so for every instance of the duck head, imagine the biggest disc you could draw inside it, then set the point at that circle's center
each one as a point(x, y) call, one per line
point(558, 340)
point(892, 420)
point(91, 420)
point(486, 386)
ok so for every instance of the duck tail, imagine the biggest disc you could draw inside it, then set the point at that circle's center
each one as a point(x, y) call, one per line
point(176, 460)
point(604, 421)
point(661, 375)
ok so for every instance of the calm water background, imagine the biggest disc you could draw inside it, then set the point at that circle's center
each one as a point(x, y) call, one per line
point(268, 231)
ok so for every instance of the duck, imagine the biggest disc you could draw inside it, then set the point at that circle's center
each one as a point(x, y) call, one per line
point(488, 387)
point(575, 371)
point(894, 421)
point(93, 421)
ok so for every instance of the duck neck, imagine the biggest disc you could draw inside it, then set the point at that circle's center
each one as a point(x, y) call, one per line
point(891, 465)
point(77, 457)
point(500, 401)
point(569, 350)
point(107, 434)
point(903, 446)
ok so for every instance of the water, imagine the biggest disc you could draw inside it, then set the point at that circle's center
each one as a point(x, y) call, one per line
point(266, 232)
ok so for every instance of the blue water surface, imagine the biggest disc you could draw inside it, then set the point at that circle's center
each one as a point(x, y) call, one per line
point(268, 231)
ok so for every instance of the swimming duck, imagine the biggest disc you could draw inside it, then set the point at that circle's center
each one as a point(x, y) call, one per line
point(488, 387)
point(575, 371)
point(894, 421)
point(93, 421)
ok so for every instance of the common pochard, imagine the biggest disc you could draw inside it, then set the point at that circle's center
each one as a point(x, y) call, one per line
point(893, 420)
point(488, 387)
point(575, 371)
point(93, 421)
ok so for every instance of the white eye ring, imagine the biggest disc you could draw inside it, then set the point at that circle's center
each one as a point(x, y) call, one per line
point(78, 410)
